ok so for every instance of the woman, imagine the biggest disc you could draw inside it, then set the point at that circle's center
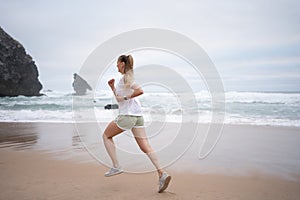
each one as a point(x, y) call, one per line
point(129, 118)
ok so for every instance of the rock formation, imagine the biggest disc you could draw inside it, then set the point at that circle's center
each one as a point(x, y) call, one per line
point(80, 85)
point(111, 106)
point(18, 72)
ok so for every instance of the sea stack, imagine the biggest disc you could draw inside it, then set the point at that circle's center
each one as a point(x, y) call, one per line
point(80, 85)
point(18, 72)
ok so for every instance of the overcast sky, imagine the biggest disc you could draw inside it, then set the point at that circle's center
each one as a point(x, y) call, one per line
point(255, 45)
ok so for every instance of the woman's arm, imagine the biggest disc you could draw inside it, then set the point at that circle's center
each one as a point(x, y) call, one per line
point(137, 91)
point(111, 84)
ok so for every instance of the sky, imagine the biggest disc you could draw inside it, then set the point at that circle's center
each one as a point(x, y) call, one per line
point(254, 45)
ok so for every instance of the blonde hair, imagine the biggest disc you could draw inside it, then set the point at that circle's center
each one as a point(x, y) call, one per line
point(128, 70)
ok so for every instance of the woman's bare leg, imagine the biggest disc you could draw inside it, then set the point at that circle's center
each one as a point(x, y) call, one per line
point(142, 141)
point(111, 130)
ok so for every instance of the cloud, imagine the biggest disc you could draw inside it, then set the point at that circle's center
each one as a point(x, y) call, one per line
point(237, 35)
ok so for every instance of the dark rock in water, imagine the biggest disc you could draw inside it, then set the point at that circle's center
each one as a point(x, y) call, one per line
point(80, 85)
point(18, 72)
point(47, 90)
point(111, 106)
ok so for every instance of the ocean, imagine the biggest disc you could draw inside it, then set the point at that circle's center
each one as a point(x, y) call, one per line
point(254, 108)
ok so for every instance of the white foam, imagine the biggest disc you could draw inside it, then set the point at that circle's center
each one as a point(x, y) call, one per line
point(282, 109)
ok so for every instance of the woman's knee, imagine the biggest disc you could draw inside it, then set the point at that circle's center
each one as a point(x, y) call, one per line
point(105, 137)
point(111, 130)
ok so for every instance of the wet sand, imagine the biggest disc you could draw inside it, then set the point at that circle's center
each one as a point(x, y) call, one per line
point(48, 161)
point(34, 175)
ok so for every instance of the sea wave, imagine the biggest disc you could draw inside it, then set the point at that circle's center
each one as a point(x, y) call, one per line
point(241, 107)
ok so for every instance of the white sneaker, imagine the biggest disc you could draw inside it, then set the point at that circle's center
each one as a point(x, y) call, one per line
point(164, 181)
point(113, 171)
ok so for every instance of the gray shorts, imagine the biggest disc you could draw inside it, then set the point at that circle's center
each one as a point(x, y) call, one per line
point(127, 122)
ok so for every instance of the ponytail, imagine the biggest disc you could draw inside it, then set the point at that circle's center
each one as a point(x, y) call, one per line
point(128, 70)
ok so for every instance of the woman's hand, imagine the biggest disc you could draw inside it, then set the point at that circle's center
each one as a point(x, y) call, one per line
point(119, 98)
point(111, 84)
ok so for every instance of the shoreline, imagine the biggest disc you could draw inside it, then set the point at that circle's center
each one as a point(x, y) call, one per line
point(48, 161)
point(106, 122)
point(241, 150)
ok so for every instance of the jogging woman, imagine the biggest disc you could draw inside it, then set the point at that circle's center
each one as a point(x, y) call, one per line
point(129, 118)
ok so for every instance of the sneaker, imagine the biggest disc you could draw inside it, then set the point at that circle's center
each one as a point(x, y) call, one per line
point(113, 171)
point(164, 181)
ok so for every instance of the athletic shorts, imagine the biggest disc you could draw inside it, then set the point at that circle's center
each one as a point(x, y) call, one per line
point(127, 122)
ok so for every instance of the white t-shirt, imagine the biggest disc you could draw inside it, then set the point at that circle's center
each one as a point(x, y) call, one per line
point(131, 106)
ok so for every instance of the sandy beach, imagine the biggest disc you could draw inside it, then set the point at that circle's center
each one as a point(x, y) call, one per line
point(36, 166)
point(33, 175)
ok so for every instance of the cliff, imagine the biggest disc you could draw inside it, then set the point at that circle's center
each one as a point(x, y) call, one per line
point(18, 72)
